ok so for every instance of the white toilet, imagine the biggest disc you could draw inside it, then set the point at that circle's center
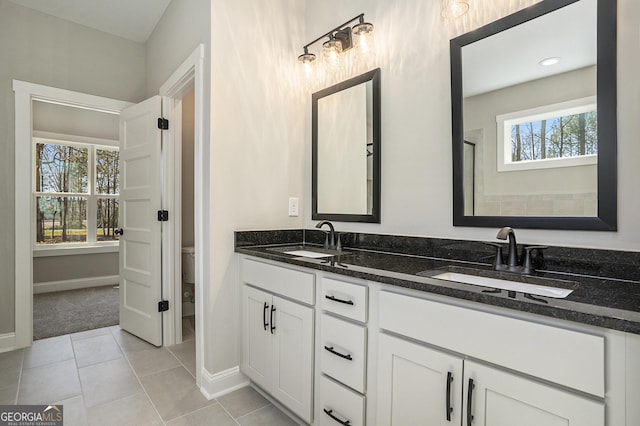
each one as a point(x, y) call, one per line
point(188, 281)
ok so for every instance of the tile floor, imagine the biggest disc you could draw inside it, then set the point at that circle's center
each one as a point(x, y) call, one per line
point(110, 377)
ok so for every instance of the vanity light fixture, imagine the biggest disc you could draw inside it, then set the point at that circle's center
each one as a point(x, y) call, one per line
point(547, 62)
point(452, 9)
point(340, 39)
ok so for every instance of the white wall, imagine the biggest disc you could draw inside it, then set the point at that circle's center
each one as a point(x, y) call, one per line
point(412, 50)
point(257, 143)
point(41, 49)
point(253, 132)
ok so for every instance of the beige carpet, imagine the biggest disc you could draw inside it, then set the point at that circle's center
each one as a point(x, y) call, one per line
point(64, 312)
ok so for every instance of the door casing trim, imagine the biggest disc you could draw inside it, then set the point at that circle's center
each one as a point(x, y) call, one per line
point(25, 94)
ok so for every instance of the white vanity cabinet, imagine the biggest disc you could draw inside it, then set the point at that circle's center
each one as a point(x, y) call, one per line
point(453, 382)
point(322, 345)
point(417, 384)
point(342, 352)
point(494, 397)
point(278, 333)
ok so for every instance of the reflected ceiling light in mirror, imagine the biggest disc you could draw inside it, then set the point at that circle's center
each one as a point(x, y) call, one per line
point(452, 9)
point(547, 62)
point(340, 40)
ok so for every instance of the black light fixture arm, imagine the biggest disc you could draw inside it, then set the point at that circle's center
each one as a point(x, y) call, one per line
point(329, 33)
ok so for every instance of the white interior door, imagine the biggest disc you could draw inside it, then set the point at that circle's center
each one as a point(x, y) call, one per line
point(140, 199)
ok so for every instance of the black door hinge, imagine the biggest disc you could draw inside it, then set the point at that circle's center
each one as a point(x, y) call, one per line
point(163, 124)
point(163, 215)
point(163, 305)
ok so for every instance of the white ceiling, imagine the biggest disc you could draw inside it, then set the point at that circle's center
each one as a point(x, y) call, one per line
point(511, 57)
point(130, 19)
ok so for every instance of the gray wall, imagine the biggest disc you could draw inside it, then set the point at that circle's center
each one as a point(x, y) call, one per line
point(41, 49)
point(60, 268)
point(74, 121)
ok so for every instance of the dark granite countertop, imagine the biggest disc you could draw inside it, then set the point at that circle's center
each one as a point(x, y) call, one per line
point(612, 303)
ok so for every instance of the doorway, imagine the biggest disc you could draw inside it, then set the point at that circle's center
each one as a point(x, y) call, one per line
point(75, 267)
point(188, 77)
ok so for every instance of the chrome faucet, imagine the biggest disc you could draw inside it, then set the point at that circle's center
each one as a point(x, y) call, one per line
point(512, 258)
point(330, 241)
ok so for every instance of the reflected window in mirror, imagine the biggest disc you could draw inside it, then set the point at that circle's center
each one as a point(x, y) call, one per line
point(534, 93)
point(346, 150)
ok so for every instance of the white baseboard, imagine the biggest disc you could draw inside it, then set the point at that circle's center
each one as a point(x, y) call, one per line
point(218, 384)
point(51, 286)
point(7, 342)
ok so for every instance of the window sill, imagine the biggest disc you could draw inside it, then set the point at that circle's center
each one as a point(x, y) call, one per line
point(75, 250)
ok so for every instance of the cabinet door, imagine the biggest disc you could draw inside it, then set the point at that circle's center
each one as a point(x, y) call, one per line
point(417, 385)
point(293, 355)
point(257, 337)
point(499, 398)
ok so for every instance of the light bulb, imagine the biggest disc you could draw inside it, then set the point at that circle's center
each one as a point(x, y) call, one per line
point(363, 32)
point(332, 49)
point(307, 69)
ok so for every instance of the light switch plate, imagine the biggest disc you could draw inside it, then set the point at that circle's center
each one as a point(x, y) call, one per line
point(293, 206)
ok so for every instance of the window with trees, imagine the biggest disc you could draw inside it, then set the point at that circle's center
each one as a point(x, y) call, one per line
point(559, 135)
point(76, 192)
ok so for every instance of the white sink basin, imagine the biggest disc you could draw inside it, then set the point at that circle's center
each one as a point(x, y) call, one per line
point(307, 253)
point(539, 290)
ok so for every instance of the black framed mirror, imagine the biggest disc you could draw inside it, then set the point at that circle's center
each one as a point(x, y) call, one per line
point(535, 93)
point(346, 150)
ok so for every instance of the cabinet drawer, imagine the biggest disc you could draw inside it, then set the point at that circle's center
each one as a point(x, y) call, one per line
point(343, 298)
point(339, 405)
point(290, 283)
point(343, 351)
point(566, 357)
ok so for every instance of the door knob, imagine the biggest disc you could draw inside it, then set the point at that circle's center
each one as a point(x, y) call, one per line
point(119, 231)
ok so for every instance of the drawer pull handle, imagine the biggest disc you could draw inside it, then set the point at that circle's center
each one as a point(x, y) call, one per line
point(333, 351)
point(469, 399)
point(273, 327)
point(342, 422)
point(449, 408)
point(335, 299)
point(264, 316)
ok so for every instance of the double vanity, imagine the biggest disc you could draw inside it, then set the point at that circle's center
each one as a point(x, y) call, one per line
point(358, 329)
point(389, 330)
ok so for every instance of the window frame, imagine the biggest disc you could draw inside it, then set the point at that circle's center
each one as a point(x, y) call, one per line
point(504, 122)
point(91, 245)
